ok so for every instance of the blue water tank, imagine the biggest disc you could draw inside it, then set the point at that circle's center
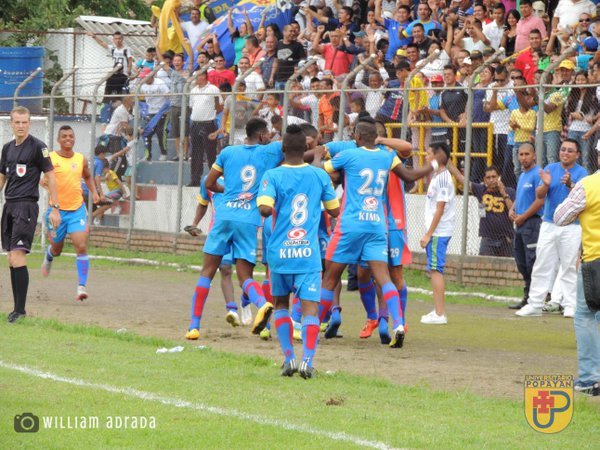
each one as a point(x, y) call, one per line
point(16, 64)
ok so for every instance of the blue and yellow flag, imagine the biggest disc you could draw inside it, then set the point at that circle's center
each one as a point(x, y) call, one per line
point(278, 12)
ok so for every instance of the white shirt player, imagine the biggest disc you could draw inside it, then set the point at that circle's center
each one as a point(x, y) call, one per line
point(120, 56)
point(441, 189)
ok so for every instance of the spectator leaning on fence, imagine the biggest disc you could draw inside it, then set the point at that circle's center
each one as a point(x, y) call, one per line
point(495, 200)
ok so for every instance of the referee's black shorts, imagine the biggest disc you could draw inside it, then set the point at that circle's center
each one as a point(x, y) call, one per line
point(19, 219)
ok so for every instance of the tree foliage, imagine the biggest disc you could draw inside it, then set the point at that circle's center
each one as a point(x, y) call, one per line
point(39, 16)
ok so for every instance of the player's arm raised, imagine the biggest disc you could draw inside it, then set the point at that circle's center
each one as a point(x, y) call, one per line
point(412, 174)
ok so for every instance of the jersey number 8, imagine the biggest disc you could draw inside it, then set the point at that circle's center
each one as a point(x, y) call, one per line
point(299, 210)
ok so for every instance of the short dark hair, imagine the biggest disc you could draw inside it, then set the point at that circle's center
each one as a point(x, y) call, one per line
point(500, 6)
point(441, 147)
point(535, 30)
point(526, 2)
point(492, 168)
point(294, 140)
point(528, 145)
point(419, 25)
point(255, 127)
point(349, 11)
point(100, 149)
point(151, 49)
point(406, 8)
point(117, 33)
point(64, 128)
point(402, 65)
point(573, 141)
point(309, 129)
point(252, 39)
point(366, 129)
point(450, 67)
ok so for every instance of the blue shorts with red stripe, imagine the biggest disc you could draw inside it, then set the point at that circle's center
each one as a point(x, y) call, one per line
point(350, 248)
point(436, 253)
point(399, 253)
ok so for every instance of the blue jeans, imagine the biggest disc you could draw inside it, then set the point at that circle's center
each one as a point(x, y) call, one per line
point(585, 147)
point(551, 147)
point(588, 337)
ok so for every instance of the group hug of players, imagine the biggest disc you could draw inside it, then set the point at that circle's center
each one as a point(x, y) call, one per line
point(275, 181)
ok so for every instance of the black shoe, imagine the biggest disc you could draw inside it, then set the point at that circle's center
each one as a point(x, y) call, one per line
point(193, 185)
point(289, 368)
point(14, 316)
point(175, 159)
point(305, 371)
point(591, 390)
point(518, 305)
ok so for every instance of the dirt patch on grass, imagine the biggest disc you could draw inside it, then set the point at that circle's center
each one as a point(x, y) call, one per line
point(483, 349)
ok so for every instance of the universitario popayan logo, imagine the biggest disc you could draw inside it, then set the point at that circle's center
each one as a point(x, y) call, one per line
point(548, 402)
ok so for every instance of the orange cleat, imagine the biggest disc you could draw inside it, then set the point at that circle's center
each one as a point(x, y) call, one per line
point(368, 329)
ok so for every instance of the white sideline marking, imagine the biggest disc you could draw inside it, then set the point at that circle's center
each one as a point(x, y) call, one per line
point(178, 403)
point(149, 262)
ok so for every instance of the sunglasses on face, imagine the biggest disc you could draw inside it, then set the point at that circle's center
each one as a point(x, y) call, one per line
point(584, 20)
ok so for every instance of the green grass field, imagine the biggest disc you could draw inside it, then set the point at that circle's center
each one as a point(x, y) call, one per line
point(202, 398)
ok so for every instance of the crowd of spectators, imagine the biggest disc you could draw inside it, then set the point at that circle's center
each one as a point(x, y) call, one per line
point(341, 34)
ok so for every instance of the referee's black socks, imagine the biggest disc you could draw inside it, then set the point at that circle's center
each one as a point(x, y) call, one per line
point(20, 284)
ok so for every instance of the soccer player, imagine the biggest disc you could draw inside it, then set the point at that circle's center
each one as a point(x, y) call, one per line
point(440, 209)
point(398, 252)
point(69, 168)
point(360, 234)
point(293, 194)
point(206, 197)
point(237, 220)
point(22, 161)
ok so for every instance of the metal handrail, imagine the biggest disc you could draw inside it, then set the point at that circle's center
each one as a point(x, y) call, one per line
point(22, 84)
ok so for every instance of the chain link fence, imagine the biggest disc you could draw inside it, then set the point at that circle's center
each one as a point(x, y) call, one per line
point(177, 134)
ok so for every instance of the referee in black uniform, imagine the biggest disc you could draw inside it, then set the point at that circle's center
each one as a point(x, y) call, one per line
point(22, 162)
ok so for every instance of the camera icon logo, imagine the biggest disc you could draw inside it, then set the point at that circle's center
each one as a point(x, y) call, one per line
point(27, 423)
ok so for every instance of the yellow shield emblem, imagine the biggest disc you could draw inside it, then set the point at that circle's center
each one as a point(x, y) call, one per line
point(548, 402)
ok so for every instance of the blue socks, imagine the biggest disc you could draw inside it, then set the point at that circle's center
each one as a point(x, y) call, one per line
point(367, 297)
point(403, 301)
point(231, 306)
point(391, 297)
point(83, 266)
point(254, 292)
point(198, 300)
point(325, 304)
point(310, 338)
point(285, 332)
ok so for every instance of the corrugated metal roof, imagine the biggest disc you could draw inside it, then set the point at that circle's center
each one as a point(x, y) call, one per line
point(139, 35)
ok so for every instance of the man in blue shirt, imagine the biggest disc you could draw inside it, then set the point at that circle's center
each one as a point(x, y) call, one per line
point(293, 194)
point(526, 214)
point(395, 28)
point(557, 247)
point(237, 220)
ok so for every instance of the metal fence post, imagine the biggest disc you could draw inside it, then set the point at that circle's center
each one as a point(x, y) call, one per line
point(93, 130)
point(22, 84)
point(467, 171)
point(52, 112)
point(539, 142)
point(343, 88)
point(288, 86)
point(182, 127)
point(405, 103)
point(234, 89)
point(136, 135)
